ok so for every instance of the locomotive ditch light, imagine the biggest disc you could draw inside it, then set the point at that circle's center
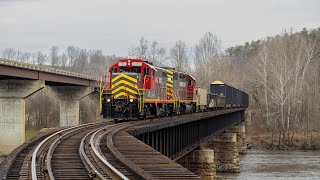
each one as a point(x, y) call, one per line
point(131, 100)
point(108, 100)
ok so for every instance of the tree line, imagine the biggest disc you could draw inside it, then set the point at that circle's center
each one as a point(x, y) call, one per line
point(281, 74)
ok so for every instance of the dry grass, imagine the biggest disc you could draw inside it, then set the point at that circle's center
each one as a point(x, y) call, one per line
point(30, 134)
point(260, 139)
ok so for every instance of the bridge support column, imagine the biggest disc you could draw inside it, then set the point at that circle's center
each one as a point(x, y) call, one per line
point(226, 153)
point(200, 162)
point(12, 111)
point(240, 130)
point(69, 97)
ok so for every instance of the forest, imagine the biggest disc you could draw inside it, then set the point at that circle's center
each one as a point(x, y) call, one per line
point(280, 73)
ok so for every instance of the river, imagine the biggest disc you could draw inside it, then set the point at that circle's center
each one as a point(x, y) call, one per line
point(267, 165)
point(263, 164)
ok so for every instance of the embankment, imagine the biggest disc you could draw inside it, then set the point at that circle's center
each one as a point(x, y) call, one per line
point(263, 140)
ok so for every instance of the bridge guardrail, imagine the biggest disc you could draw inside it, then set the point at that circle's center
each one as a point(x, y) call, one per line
point(45, 69)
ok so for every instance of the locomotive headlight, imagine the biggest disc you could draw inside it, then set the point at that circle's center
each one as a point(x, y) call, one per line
point(131, 100)
point(108, 100)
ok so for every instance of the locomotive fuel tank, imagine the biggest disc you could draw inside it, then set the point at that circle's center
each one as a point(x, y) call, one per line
point(189, 108)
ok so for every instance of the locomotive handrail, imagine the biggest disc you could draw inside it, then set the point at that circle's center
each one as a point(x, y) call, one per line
point(177, 99)
point(102, 88)
point(141, 99)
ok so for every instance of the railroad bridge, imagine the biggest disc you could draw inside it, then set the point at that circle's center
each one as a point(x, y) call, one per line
point(177, 147)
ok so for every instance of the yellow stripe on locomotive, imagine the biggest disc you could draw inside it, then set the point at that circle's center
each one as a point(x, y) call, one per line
point(169, 83)
point(124, 86)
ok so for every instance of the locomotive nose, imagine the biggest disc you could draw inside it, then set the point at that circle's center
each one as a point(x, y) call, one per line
point(124, 85)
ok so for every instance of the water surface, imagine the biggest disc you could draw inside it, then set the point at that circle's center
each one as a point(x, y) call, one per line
point(263, 164)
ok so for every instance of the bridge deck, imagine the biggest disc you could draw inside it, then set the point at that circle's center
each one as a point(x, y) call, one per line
point(150, 160)
point(41, 68)
point(18, 70)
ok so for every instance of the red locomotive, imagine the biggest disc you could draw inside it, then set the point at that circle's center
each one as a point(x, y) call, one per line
point(137, 89)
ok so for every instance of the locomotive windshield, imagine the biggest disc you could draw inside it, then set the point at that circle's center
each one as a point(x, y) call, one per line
point(127, 69)
point(136, 70)
point(114, 70)
point(146, 71)
point(124, 69)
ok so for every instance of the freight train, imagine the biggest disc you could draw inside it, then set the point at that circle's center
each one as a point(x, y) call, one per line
point(138, 90)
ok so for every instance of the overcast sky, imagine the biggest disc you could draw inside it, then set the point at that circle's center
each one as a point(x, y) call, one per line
point(117, 25)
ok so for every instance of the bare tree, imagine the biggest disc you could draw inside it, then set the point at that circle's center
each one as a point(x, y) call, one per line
point(179, 57)
point(54, 56)
point(33, 58)
point(141, 50)
point(41, 111)
point(207, 53)
point(72, 53)
point(24, 57)
point(81, 62)
point(157, 55)
point(150, 52)
point(64, 60)
point(41, 58)
point(282, 63)
point(9, 53)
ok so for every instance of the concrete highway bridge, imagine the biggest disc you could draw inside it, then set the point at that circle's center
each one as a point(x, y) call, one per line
point(191, 146)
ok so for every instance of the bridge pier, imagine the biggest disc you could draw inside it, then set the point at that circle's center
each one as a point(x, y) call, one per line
point(240, 130)
point(226, 155)
point(200, 162)
point(12, 111)
point(69, 97)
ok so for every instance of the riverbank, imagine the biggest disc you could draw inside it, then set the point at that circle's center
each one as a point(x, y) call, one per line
point(270, 165)
point(262, 140)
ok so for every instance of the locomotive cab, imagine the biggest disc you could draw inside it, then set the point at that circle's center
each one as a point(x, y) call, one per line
point(191, 87)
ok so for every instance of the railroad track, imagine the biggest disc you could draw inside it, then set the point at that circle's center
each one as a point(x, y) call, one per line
point(79, 153)
point(99, 161)
point(57, 157)
point(21, 162)
point(97, 151)
point(112, 153)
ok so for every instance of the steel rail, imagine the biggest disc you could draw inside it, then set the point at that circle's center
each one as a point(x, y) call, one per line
point(127, 163)
point(97, 151)
point(55, 143)
point(51, 137)
point(85, 159)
